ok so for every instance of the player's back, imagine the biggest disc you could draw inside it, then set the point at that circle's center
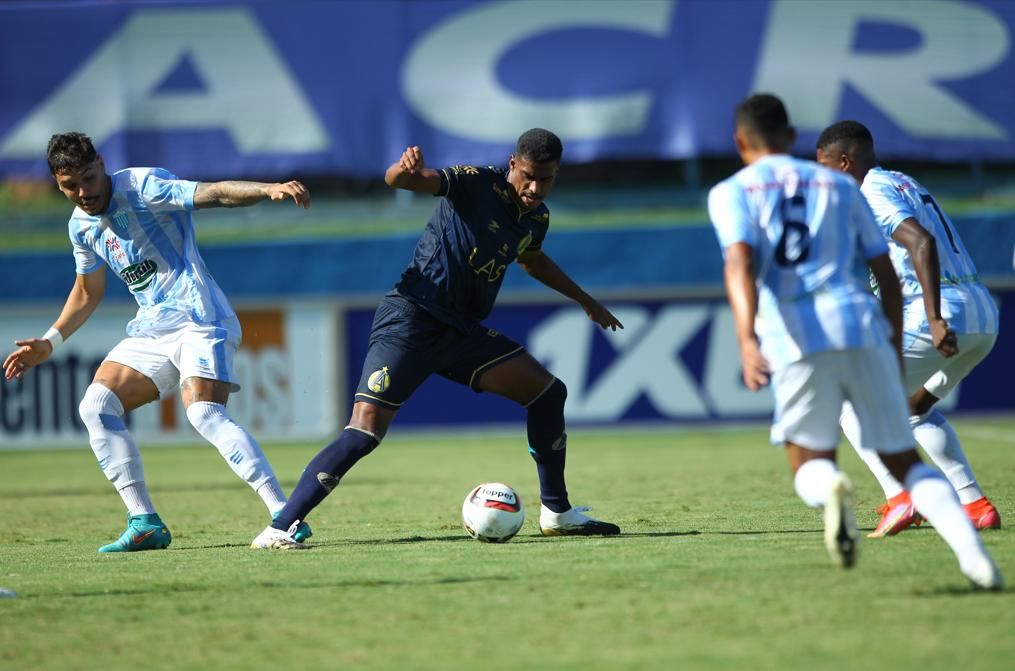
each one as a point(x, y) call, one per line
point(807, 227)
point(965, 303)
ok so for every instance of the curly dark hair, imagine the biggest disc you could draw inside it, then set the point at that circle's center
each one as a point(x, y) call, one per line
point(539, 146)
point(67, 152)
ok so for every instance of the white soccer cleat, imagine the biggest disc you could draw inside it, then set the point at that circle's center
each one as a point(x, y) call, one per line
point(276, 539)
point(985, 574)
point(841, 537)
point(573, 523)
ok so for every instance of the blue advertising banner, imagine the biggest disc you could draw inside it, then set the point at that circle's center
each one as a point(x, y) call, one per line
point(674, 361)
point(230, 89)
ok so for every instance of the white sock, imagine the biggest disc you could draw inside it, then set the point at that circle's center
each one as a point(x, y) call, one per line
point(239, 449)
point(114, 447)
point(135, 497)
point(851, 428)
point(813, 481)
point(934, 498)
point(938, 439)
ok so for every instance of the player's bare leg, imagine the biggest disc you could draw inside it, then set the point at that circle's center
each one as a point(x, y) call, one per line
point(523, 380)
point(936, 500)
point(820, 484)
point(366, 429)
point(115, 390)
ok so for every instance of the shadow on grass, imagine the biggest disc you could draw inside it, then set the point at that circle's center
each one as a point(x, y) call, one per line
point(966, 590)
point(261, 584)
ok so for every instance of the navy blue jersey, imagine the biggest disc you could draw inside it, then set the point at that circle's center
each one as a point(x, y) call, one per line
point(474, 234)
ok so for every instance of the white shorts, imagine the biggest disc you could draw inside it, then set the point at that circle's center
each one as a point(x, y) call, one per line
point(810, 393)
point(925, 367)
point(192, 351)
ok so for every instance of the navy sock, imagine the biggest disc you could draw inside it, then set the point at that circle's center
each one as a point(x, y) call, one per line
point(322, 474)
point(548, 445)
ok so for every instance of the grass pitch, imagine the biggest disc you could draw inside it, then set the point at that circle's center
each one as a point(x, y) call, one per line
point(719, 566)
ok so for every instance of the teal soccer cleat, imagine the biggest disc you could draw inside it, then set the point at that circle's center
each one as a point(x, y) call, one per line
point(302, 532)
point(144, 532)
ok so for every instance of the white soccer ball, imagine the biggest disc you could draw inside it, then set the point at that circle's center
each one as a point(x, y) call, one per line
point(493, 513)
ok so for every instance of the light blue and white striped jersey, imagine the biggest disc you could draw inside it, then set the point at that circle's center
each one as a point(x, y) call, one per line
point(965, 303)
point(146, 236)
point(807, 226)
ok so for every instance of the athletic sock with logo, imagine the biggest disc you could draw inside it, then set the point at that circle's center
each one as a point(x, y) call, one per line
point(936, 436)
point(324, 472)
point(114, 447)
point(548, 445)
point(239, 449)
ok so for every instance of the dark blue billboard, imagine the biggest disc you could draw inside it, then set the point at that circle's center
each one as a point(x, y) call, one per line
point(257, 88)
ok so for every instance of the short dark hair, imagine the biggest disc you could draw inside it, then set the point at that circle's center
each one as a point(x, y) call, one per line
point(67, 152)
point(539, 146)
point(850, 132)
point(764, 116)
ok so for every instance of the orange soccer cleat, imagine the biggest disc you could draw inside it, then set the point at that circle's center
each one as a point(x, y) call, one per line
point(897, 514)
point(983, 514)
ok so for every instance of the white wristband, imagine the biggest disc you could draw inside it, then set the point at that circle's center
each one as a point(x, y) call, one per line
point(54, 338)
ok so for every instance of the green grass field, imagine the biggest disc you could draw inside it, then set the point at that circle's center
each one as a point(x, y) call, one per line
point(719, 567)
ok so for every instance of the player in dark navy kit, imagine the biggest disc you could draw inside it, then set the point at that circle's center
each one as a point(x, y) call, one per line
point(431, 323)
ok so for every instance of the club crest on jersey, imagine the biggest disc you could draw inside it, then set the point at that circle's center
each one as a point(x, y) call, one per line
point(379, 381)
point(120, 219)
point(139, 275)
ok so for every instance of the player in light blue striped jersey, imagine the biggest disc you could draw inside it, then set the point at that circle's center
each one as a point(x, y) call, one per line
point(138, 222)
point(791, 232)
point(950, 320)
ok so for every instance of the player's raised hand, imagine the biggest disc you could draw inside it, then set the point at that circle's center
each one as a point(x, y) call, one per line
point(945, 340)
point(30, 353)
point(412, 160)
point(291, 189)
point(756, 370)
point(600, 315)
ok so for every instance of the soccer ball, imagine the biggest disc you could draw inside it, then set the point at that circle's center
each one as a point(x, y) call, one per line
point(493, 513)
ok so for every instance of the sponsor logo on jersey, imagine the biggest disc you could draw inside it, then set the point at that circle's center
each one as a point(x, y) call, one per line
point(379, 381)
point(465, 170)
point(139, 275)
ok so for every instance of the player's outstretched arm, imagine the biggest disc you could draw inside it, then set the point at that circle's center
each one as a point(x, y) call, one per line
point(543, 268)
point(84, 297)
point(742, 292)
point(241, 194)
point(410, 173)
point(922, 248)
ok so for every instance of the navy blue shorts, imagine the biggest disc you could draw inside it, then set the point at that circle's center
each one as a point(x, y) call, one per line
point(408, 344)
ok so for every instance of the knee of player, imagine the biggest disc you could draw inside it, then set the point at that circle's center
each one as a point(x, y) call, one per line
point(553, 397)
point(100, 407)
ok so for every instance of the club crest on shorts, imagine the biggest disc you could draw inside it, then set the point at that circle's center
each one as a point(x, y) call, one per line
point(379, 381)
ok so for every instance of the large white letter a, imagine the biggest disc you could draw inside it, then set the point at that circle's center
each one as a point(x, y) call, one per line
point(248, 90)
